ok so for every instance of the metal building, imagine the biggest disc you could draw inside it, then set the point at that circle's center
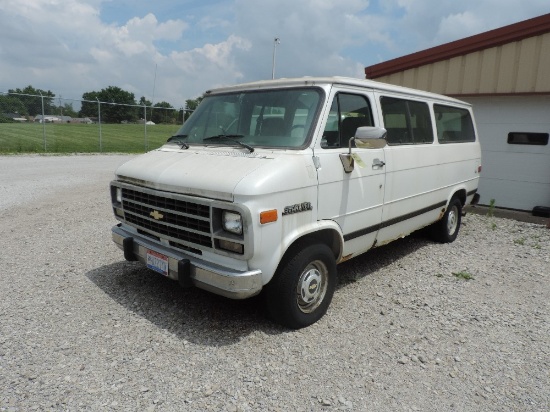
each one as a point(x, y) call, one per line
point(505, 74)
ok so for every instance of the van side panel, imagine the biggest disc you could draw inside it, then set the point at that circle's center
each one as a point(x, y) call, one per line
point(420, 180)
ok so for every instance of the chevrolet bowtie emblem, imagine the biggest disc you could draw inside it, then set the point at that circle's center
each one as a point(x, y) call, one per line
point(155, 214)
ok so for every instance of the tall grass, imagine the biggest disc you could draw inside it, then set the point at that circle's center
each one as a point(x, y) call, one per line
point(82, 138)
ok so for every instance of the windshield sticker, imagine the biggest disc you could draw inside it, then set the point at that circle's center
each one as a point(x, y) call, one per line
point(297, 208)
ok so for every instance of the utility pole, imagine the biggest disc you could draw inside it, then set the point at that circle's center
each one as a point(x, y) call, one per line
point(276, 41)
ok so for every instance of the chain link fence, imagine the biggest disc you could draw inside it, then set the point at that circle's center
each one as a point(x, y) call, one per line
point(46, 124)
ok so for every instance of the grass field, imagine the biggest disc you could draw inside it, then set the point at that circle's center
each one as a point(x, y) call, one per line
point(82, 138)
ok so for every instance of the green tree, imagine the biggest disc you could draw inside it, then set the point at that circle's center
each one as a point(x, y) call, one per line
point(89, 105)
point(12, 104)
point(144, 102)
point(116, 105)
point(191, 105)
point(65, 110)
point(32, 100)
point(165, 113)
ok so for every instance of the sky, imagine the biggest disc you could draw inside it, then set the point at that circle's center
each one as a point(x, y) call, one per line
point(167, 50)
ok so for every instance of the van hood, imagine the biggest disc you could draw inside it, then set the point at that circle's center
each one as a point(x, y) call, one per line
point(207, 173)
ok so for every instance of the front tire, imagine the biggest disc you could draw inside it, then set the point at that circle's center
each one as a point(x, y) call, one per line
point(302, 288)
point(446, 230)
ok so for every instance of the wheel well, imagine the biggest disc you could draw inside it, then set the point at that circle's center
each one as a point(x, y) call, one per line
point(329, 237)
point(461, 195)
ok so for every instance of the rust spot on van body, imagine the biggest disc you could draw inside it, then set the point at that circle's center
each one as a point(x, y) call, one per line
point(347, 257)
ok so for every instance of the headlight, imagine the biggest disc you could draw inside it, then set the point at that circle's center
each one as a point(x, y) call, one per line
point(232, 222)
point(119, 195)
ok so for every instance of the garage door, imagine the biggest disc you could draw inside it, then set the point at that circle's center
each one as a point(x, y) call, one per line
point(516, 153)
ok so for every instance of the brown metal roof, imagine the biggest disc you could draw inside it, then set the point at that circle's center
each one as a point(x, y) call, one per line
point(512, 33)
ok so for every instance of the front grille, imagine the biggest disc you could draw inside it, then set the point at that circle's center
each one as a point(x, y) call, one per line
point(157, 201)
point(180, 220)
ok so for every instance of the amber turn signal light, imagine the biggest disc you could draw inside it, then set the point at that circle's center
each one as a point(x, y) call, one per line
point(268, 216)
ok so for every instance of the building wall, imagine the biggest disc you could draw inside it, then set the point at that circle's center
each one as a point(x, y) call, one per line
point(516, 67)
point(505, 73)
point(516, 176)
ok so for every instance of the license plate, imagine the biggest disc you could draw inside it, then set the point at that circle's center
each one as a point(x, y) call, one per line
point(157, 262)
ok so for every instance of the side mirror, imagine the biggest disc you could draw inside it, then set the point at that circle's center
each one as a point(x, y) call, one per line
point(365, 137)
point(369, 137)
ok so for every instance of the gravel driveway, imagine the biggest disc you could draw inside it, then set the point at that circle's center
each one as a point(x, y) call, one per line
point(413, 325)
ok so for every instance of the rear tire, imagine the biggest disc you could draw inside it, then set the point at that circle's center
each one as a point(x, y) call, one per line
point(446, 229)
point(302, 288)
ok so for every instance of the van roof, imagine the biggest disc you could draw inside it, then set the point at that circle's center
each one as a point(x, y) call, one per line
point(336, 80)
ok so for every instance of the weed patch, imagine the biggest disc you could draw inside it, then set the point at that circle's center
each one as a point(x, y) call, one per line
point(463, 275)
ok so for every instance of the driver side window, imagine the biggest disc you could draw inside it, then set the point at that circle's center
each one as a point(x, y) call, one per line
point(347, 113)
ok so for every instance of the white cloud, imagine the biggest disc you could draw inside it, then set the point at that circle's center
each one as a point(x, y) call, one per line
point(314, 36)
point(210, 22)
point(64, 46)
point(209, 66)
point(454, 26)
point(419, 24)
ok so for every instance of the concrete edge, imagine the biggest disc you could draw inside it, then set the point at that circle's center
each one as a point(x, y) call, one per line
point(509, 214)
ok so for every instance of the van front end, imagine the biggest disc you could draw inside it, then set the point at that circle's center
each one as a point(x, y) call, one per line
point(196, 241)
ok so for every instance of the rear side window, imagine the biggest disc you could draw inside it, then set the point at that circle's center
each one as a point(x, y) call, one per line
point(454, 125)
point(407, 121)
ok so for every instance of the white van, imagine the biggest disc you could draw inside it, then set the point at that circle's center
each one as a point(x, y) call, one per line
point(269, 185)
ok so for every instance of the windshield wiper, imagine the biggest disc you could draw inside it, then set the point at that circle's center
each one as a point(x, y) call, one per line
point(178, 138)
point(232, 138)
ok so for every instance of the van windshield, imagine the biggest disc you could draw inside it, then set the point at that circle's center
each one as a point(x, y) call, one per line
point(267, 118)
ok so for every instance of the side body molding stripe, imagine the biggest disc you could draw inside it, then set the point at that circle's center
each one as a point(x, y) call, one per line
point(395, 220)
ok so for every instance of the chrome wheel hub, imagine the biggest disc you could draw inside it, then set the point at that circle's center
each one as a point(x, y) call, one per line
point(312, 286)
point(452, 220)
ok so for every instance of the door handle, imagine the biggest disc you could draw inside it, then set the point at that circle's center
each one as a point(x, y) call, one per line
point(378, 163)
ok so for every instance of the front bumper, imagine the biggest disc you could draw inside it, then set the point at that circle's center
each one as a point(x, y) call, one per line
point(189, 270)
